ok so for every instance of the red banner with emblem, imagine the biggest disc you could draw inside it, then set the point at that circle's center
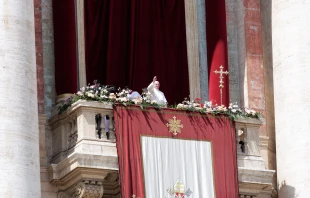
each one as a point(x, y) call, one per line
point(133, 123)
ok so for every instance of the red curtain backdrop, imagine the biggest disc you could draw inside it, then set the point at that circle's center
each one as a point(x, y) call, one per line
point(132, 122)
point(65, 46)
point(217, 49)
point(129, 42)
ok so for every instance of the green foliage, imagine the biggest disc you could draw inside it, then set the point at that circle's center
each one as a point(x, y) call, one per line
point(102, 93)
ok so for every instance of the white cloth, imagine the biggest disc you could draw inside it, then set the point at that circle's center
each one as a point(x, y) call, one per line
point(156, 95)
point(168, 160)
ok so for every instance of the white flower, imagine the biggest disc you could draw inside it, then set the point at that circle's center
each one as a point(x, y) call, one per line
point(221, 108)
point(209, 110)
point(90, 95)
point(122, 99)
point(198, 108)
point(208, 104)
point(137, 101)
point(180, 106)
point(154, 102)
point(112, 96)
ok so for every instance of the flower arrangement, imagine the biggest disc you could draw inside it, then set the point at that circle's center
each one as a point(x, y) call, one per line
point(103, 93)
point(232, 111)
point(125, 96)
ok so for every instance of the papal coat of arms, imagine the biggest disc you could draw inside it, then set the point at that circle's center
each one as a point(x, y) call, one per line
point(178, 190)
point(174, 126)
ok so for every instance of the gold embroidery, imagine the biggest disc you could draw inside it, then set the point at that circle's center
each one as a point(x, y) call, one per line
point(174, 126)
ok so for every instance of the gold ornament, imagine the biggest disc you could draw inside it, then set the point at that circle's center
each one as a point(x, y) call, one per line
point(221, 72)
point(174, 126)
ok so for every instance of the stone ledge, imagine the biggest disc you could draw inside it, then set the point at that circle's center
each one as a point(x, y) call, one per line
point(251, 161)
point(251, 176)
point(248, 122)
point(87, 146)
point(96, 165)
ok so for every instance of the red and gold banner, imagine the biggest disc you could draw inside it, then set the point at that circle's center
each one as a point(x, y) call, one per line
point(175, 127)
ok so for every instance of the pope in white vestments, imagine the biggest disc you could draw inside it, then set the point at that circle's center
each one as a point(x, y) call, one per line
point(156, 95)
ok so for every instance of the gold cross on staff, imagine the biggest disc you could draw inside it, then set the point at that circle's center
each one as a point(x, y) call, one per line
point(221, 72)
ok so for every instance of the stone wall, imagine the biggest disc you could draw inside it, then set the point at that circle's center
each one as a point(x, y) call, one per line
point(39, 54)
point(46, 87)
point(268, 76)
point(48, 56)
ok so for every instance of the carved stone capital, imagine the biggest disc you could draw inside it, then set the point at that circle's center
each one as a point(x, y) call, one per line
point(84, 189)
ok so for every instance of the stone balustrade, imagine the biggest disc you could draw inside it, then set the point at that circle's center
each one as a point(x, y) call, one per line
point(254, 179)
point(85, 164)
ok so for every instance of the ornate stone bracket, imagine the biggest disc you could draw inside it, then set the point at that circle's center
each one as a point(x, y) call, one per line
point(84, 189)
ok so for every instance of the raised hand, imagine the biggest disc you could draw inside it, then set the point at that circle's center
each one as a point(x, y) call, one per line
point(154, 79)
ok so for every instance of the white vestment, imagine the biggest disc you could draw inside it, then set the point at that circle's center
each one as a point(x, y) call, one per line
point(156, 95)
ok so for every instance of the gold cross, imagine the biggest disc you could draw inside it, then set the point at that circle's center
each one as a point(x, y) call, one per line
point(221, 72)
point(174, 126)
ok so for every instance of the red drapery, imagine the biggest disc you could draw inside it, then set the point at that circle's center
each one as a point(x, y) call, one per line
point(217, 49)
point(132, 122)
point(128, 42)
point(65, 46)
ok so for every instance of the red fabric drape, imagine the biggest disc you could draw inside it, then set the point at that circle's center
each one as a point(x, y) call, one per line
point(65, 46)
point(129, 42)
point(217, 49)
point(132, 122)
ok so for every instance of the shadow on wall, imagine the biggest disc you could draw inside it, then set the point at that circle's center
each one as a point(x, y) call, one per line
point(287, 191)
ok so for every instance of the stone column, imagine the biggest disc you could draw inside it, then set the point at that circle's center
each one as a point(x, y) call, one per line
point(291, 49)
point(270, 148)
point(19, 145)
point(80, 34)
point(234, 22)
point(195, 19)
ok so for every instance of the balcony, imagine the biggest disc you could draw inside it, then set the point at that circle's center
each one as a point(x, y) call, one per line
point(86, 165)
point(83, 163)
